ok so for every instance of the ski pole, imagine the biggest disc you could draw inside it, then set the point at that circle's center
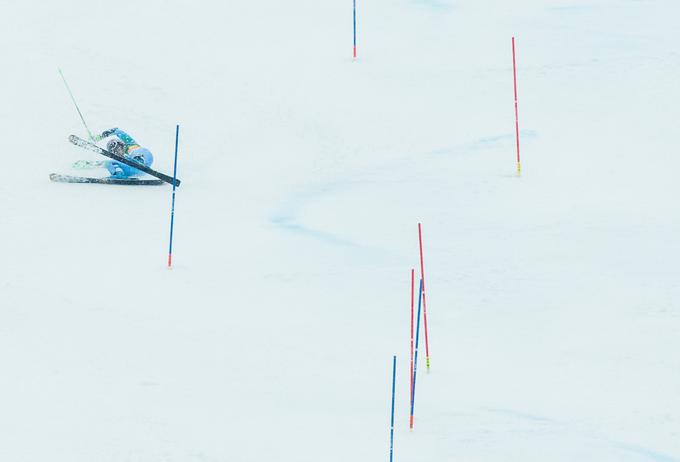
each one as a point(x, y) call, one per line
point(76, 105)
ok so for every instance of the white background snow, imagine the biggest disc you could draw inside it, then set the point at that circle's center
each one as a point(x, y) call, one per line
point(552, 298)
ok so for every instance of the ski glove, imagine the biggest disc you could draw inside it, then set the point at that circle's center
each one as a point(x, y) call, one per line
point(108, 132)
point(104, 134)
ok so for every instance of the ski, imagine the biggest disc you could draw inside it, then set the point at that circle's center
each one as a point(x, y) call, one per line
point(108, 180)
point(93, 147)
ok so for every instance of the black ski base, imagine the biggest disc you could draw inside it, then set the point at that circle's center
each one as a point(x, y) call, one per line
point(120, 181)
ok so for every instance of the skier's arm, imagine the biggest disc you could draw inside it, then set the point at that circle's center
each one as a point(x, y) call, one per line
point(104, 134)
point(124, 137)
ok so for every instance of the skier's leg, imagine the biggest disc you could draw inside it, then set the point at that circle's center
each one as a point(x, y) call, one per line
point(115, 169)
point(142, 155)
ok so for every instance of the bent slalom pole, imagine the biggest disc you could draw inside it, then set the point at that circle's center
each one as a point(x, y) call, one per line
point(415, 359)
point(76, 105)
point(174, 185)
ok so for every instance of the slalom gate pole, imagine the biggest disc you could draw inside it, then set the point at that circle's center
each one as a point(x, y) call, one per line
point(412, 295)
point(422, 278)
point(514, 81)
point(172, 210)
point(415, 360)
point(354, 18)
point(394, 379)
point(76, 105)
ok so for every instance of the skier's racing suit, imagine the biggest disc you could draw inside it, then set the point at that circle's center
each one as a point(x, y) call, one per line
point(133, 151)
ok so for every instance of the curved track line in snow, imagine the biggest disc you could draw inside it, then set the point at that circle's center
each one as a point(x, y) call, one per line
point(287, 213)
point(522, 415)
point(644, 454)
point(439, 6)
point(485, 142)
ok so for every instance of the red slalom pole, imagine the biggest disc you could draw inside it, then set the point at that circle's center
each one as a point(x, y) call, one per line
point(514, 79)
point(412, 297)
point(354, 21)
point(422, 276)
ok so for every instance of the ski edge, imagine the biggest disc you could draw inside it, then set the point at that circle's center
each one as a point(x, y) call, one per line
point(59, 178)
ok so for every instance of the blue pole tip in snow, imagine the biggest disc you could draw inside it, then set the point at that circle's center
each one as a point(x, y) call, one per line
point(394, 377)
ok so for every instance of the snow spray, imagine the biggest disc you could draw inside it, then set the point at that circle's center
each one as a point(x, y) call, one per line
point(354, 20)
point(415, 360)
point(422, 278)
point(394, 378)
point(76, 105)
point(172, 210)
point(514, 80)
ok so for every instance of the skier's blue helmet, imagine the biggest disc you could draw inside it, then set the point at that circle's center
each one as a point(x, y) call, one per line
point(116, 147)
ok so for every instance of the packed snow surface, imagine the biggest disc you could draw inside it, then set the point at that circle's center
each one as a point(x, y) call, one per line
point(553, 297)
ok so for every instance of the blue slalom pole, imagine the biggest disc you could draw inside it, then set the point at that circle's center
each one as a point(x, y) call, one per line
point(354, 17)
point(174, 185)
point(394, 377)
point(415, 359)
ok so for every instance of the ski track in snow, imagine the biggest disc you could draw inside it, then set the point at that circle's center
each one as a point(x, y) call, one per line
point(646, 454)
point(287, 213)
point(556, 427)
point(490, 425)
point(436, 6)
point(553, 297)
point(488, 142)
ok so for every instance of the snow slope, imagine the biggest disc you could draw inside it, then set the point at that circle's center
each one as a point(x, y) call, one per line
point(552, 297)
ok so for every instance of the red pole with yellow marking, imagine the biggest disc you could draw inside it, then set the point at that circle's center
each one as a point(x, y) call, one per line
point(514, 80)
